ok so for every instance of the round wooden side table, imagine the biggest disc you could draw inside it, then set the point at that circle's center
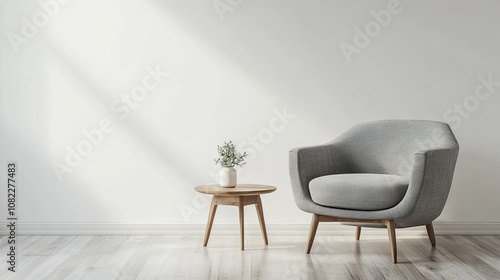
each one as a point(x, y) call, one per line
point(241, 195)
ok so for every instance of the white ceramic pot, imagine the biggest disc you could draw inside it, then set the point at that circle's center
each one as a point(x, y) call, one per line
point(228, 177)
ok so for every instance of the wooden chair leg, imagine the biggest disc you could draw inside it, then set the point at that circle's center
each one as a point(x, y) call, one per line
point(430, 233)
point(312, 232)
point(358, 232)
point(392, 240)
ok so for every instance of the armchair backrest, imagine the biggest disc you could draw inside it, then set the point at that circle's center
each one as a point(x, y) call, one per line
point(389, 146)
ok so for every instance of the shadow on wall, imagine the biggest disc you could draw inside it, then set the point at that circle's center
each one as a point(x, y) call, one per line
point(284, 62)
point(147, 140)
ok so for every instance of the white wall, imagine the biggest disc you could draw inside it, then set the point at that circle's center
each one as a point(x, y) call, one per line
point(230, 72)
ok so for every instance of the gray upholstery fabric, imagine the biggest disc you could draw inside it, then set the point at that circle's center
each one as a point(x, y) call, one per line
point(423, 152)
point(358, 191)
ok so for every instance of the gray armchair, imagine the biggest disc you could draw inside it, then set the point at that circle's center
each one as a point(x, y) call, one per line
point(392, 173)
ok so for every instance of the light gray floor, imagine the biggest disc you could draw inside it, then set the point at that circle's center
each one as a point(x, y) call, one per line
point(336, 257)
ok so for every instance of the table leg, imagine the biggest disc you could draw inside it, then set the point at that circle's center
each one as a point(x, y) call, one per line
point(260, 214)
point(211, 216)
point(242, 221)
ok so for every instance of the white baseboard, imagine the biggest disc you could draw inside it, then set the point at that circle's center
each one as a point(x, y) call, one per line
point(233, 229)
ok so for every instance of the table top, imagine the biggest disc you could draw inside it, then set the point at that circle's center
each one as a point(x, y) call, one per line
point(239, 190)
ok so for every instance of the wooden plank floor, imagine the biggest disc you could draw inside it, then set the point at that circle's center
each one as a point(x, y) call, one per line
point(332, 257)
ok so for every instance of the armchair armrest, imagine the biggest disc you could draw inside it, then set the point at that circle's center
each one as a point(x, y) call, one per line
point(430, 182)
point(307, 163)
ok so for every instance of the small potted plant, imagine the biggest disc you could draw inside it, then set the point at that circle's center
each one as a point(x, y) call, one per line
point(228, 159)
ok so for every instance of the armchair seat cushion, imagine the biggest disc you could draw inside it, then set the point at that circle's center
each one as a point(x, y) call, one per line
point(358, 191)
